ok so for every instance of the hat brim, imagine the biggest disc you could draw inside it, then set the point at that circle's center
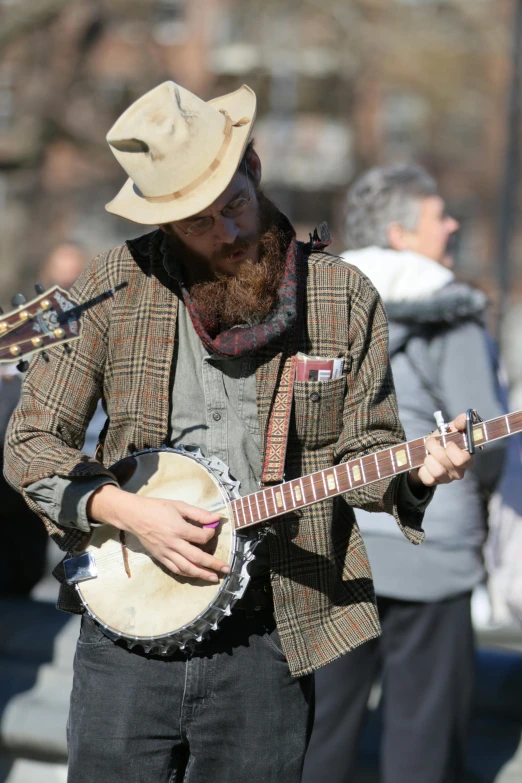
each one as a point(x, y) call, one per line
point(129, 203)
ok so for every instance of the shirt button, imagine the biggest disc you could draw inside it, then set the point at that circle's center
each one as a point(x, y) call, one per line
point(216, 416)
point(315, 396)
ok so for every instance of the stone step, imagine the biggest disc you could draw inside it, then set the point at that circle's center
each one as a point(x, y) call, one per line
point(28, 771)
point(37, 644)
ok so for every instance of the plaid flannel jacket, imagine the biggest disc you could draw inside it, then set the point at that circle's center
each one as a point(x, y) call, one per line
point(323, 592)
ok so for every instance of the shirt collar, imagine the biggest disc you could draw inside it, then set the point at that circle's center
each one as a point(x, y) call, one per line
point(171, 262)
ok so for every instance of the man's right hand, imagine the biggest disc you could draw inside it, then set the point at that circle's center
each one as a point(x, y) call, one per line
point(170, 530)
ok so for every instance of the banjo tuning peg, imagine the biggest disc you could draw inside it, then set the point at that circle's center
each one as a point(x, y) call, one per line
point(18, 300)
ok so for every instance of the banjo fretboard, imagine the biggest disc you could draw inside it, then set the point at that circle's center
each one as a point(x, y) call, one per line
point(282, 498)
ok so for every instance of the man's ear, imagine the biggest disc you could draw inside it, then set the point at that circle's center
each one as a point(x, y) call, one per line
point(254, 166)
point(396, 237)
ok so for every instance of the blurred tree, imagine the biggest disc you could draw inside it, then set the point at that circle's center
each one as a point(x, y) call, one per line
point(23, 18)
point(369, 81)
point(67, 70)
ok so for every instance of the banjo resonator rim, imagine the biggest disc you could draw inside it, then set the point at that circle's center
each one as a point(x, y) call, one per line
point(82, 568)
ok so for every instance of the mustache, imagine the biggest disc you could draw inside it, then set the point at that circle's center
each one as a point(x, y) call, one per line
point(240, 245)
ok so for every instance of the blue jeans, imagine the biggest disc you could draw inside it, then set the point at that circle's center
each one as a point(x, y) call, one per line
point(229, 712)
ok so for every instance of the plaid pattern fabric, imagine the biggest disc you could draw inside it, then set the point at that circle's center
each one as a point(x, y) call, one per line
point(323, 591)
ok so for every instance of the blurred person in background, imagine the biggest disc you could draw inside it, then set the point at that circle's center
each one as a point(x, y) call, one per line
point(22, 560)
point(192, 351)
point(499, 603)
point(63, 265)
point(397, 230)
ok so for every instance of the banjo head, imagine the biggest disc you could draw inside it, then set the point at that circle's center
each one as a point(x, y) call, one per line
point(134, 596)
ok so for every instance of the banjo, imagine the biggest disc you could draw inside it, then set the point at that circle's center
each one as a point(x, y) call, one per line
point(134, 598)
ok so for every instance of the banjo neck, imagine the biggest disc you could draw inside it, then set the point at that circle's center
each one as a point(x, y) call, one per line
point(273, 501)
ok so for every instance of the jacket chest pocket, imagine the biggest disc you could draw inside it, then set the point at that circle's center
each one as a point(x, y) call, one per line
point(318, 411)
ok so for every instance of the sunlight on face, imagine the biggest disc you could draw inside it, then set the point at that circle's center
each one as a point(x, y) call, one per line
point(233, 238)
point(433, 231)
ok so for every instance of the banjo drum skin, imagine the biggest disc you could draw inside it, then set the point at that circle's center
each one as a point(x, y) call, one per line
point(134, 597)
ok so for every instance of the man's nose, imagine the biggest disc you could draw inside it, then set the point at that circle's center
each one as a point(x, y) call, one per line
point(453, 225)
point(225, 229)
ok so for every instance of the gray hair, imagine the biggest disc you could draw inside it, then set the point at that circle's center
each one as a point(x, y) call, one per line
point(385, 195)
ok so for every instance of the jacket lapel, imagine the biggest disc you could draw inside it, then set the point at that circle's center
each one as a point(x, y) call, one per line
point(160, 308)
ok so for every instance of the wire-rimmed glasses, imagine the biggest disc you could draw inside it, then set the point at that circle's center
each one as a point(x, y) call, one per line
point(233, 209)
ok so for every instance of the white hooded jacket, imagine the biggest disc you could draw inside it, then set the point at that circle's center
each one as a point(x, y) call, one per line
point(440, 359)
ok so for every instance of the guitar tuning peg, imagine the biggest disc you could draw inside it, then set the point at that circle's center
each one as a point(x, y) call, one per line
point(39, 288)
point(67, 348)
point(22, 366)
point(1, 310)
point(18, 300)
point(45, 356)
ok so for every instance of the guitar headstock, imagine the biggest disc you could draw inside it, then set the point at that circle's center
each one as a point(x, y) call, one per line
point(38, 325)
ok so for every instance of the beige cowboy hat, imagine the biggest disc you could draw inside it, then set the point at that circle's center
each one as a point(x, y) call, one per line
point(180, 152)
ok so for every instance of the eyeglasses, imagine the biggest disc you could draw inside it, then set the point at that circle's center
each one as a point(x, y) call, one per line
point(233, 209)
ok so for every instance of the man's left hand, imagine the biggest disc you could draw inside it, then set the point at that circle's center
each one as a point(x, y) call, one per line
point(442, 465)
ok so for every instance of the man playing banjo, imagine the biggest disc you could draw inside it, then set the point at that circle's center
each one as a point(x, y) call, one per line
point(201, 349)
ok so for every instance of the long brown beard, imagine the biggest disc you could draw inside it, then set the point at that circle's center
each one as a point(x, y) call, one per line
point(250, 295)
